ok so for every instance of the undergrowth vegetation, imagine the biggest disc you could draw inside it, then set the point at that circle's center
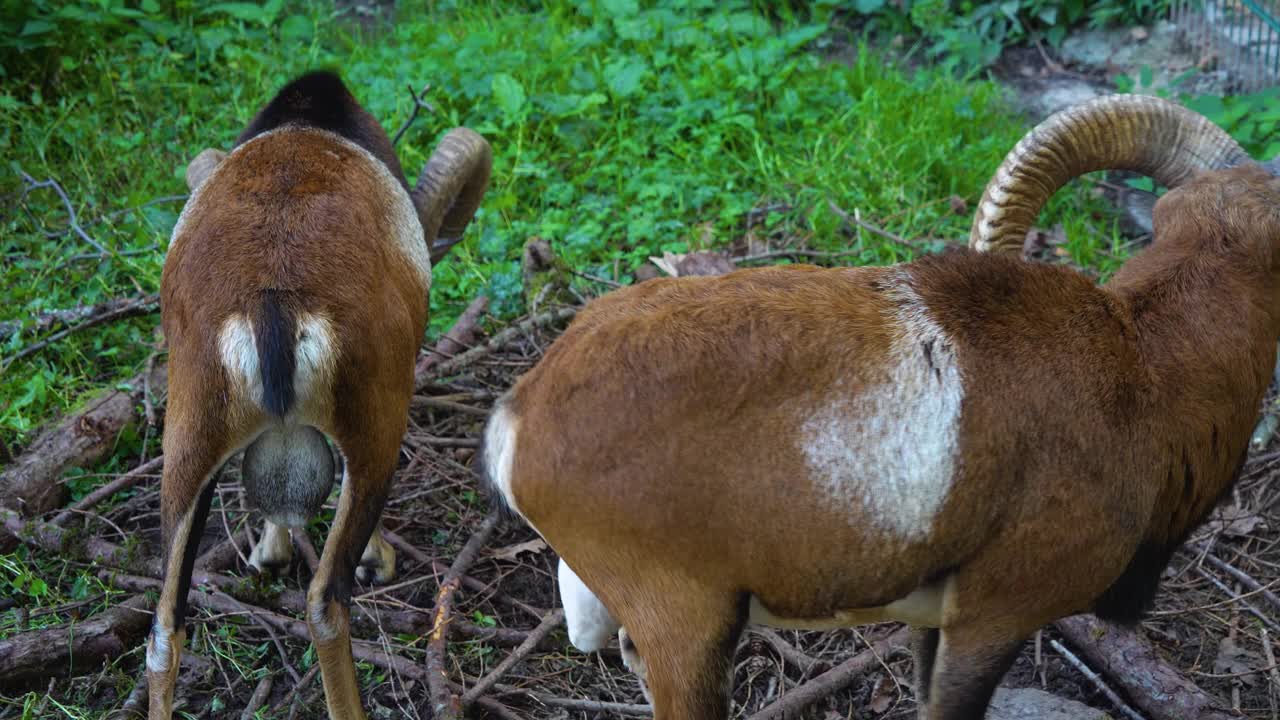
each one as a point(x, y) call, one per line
point(619, 133)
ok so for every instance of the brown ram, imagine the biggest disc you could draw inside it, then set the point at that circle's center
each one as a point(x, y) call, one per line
point(294, 300)
point(969, 443)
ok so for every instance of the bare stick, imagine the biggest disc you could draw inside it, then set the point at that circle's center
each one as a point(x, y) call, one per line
point(418, 104)
point(259, 696)
point(1273, 672)
point(306, 549)
point(788, 652)
point(49, 320)
point(444, 704)
point(1094, 678)
point(125, 481)
point(551, 622)
point(72, 222)
point(514, 332)
point(593, 706)
point(224, 554)
point(1238, 598)
point(1127, 660)
point(140, 306)
point(859, 222)
point(1240, 575)
point(295, 691)
point(458, 338)
point(831, 681)
point(421, 401)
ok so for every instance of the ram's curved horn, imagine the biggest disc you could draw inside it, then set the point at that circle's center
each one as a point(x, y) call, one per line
point(1144, 134)
point(450, 188)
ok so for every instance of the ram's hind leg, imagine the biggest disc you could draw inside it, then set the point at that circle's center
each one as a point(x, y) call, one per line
point(683, 648)
point(370, 442)
point(924, 650)
point(194, 447)
point(968, 665)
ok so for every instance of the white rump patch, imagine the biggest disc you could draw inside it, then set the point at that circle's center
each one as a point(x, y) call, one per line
point(589, 622)
point(499, 452)
point(316, 354)
point(315, 357)
point(240, 356)
point(891, 448)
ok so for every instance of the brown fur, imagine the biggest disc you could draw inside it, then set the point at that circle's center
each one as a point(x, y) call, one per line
point(299, 217)
point(657, 443)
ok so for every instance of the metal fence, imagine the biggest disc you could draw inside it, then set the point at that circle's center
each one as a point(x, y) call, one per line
point(1244, 36)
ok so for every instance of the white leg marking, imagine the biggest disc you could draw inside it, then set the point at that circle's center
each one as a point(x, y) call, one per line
point(589, 622)
point(274, 550)
point(632, 660)
point(499, 452)
point(890, 448)
point(160, 648)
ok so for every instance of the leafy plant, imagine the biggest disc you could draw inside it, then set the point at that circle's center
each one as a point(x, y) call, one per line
point(620, 131)
point(969, 35)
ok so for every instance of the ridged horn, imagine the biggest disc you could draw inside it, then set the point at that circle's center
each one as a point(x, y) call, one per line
point(450, 188)
point(1143, 134)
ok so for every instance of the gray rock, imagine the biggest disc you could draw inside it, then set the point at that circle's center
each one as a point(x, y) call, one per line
point(1032, 704)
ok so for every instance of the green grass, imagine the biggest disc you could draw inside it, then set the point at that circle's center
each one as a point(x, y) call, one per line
point(618, 133)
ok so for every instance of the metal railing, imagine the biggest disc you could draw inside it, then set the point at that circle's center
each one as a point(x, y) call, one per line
point(1244, 35)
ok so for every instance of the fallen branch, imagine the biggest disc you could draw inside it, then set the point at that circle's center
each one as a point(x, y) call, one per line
point(1094, 678)
point(458, 338)
point(444, 704)
point(140, 306)
point(68, 544)
point(259, 697)
point(1123, 657)
point(125, 481)
point(1244, 578)
point(74, 648)
point(788, 652)
point(592, 706)
point(30, 483)
point(47, 321)
point(551, 622)
point(509, 334)
point(833, 680)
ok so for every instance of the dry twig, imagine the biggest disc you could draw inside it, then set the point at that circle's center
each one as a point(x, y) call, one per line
point(833, 680)
point(551, 622)
point(418, 104)
point(444, 704)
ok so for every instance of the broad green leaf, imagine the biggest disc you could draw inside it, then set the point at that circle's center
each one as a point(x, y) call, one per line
point(509, 94)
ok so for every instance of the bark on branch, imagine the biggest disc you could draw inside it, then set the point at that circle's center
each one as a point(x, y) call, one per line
point(78, 648)
point(30, 484)
point(1126, 659)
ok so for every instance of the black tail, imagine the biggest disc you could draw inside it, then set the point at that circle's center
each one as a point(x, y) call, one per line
point(274, 336)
